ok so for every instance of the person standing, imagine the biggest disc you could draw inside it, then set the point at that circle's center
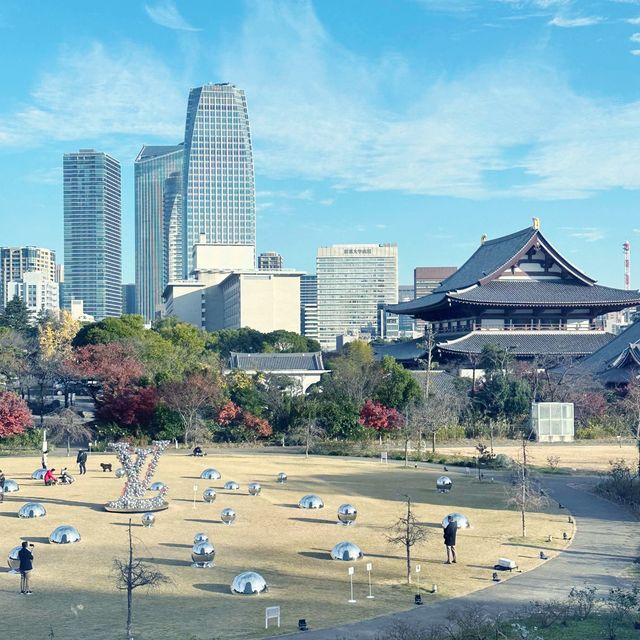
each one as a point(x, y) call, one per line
point(26, 566)
point(450, 532)
point(45, 459)
point(2, 481)
point(82, 461)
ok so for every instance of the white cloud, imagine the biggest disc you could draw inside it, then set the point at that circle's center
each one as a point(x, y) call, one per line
point(588, 234)
point(570, 23)
point(95, 93)
point(635, 52)
point(633, 21)
point(635, 37)
point(166, 14)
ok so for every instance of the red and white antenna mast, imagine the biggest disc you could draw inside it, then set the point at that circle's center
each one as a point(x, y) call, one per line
point(626, 248)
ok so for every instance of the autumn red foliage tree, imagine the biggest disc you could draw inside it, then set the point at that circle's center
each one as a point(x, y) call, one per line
point(376, 416)
point(131, 407)
point(242, 425)
point(15, 416)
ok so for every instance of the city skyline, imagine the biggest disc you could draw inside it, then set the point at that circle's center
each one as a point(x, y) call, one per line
point(485, 120)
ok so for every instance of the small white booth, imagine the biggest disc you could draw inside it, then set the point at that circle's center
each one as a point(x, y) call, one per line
point(552, 421)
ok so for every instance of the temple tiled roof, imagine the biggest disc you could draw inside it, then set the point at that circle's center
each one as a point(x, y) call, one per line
point(402, 351)
point(271, 362)
point(529, 343)
point(544, 293)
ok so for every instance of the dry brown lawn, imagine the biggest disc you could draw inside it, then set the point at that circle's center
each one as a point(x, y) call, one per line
point(74, 594)
point(582, 456)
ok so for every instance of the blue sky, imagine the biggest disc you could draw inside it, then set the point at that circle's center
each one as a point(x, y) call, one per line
point(421, 122)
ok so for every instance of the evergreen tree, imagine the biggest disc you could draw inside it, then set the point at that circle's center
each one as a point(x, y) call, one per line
point(17, 316)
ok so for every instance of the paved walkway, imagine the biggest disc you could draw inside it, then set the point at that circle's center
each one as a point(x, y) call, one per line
point(605, 543)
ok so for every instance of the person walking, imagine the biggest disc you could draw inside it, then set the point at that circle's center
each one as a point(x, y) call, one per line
point(2, 481)
point(82, 461)
point(450, 532)
point(26, 566)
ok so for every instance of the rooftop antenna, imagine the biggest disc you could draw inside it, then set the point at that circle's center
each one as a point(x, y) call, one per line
point(626, 250)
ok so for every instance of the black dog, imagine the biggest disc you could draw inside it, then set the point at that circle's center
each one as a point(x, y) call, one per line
point(106, 466)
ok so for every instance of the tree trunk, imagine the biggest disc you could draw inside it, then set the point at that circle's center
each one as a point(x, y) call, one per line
point(130, 587)
point(68, 446)
point(433, 441)
point(406, 452)
point(408, 540)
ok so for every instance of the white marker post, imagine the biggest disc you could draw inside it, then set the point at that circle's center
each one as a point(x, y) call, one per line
point(384, 457)
point(418, 568)
point(369, 567)
point(195, 491)
point(351, 572)
point(271, 613)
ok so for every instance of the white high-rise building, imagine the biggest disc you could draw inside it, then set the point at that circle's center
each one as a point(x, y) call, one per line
point(37, 291)
point(16, 261)
point(353, 280)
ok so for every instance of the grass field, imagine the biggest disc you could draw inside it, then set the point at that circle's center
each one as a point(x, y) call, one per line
point(583, 456)
point(74, 591)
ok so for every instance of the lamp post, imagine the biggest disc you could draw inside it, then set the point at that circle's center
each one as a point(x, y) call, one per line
point(418, 568)
point(351, 572)
point(369, 567)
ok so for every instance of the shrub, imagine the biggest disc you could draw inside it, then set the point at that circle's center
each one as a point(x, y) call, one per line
point(502, 461)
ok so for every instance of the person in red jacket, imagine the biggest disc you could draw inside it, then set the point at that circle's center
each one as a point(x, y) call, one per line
point(49, 478)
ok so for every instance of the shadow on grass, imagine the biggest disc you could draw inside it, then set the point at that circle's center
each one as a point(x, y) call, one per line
point(8, 515)
point(126, 524)
point(176, 545)
point(213, 588)
point(167, 561)
point(39, 540)
point(291, 505)
point(316, 555)
point(72, 503)
point(315, 520)
point(203, 521)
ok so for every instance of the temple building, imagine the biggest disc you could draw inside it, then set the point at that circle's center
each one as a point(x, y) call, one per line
point(519, 293)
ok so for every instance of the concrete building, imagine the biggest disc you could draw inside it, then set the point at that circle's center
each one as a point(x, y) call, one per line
point(17, 261)
point(353, 280)
point(129, 299)
point(309, 306)
point(270, 261)
point(77, 312)
point(37, 291)
point(158, 197)
point(406, 324)
point(227, 294)
point(218, 187)
point(425, 280)
point(92, 233)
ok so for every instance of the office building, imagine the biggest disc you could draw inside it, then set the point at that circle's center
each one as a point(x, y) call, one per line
point(353, 280)
point(425, 280)
point(309, 306)
point(17, 261)
point(36, 290)
point(129, 299)
point(92, 233)
point(158, 196)
point(218, 192)
point(270, 261)
point(406, 324)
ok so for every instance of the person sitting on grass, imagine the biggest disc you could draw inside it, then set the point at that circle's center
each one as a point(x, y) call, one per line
point(65, 478)
point(49, 478)
point(197, 451)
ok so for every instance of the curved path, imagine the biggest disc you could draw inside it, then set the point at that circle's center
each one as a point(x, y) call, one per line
point(604, 545)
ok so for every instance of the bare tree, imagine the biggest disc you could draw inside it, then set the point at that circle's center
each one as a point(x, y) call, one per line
point(68, 427)
point(408, 532)
point(631, 405)
point(526, 494)
point(133, 574)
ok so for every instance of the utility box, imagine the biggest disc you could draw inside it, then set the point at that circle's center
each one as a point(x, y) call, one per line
point(552, 421)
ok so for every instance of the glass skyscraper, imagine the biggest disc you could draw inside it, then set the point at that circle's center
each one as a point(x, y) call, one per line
point(92, 233)
point(158, 184)
point(218, 191)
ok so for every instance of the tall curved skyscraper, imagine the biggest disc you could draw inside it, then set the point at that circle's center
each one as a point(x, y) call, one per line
point(218, 188)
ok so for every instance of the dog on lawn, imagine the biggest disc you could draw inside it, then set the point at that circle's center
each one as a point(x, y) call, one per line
point(106, 466)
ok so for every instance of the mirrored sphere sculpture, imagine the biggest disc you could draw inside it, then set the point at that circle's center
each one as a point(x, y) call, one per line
point(444, 484)
point(13, 560)
point(461, 521)
point(254, 488)
point(209, 494)
point(64, 534)
point(200, 537)
point(210, 474)
point(231, 485)
point(346, 551)
point(228, 515)
point(248, 583)
point(159, 486)
point(32, 510)
point(347, 514)
point(202, 555)
point(11, 486)
point(120, 473)
point(311, 501)
point(148, 519)
point(38, 474)
point(282, 477)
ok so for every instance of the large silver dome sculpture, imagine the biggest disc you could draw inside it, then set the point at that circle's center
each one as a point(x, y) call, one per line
point(200, 537)
point(148, 519)
point(254, 488)
point(38, 474)
point(444, 484)
point(209, 495)
point(248, 583)
point(210, 474)
point(32, 510)
point(311, 501)
point(231, 485)
point(228, 515)
point(202, 555)
point(64, 534)
point(159, 486)
point(120, 473)
point(346, 551)
point(13, 560)
point(347, 514)
point(282, 477)
point(11, 486)
point(461, 521)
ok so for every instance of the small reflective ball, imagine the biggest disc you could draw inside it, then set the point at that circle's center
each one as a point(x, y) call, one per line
point(231, 485)
point(209, 495)
point(148, 519)
point(203, 554)
point(254, 488)
point(32, 510)
point(347, 514)
point(120, 473)
point(282, 477)
point(228, 515)
point(200, 537)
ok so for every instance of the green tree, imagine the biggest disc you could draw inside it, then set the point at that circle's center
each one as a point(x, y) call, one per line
point(183, 335)
point(289, 342)
point(355, 375)
point(397, 387)
point(110, 330)
point(242, 340)
point(17, 316)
